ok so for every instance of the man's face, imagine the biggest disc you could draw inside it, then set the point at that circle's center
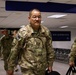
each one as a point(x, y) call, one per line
point(35, 19)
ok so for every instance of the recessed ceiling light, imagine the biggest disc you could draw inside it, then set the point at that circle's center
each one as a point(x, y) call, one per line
point(57, 16)
point(63, 26)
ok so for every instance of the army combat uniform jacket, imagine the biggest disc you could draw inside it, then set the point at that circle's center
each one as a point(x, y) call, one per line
point(36, 49)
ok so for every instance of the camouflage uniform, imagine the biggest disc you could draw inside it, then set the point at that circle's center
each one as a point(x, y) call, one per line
point(72, 54)
point(36, 49)
point(1, 55)
point(6, 43)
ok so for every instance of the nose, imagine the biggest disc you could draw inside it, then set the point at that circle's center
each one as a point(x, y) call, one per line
point(37, 18)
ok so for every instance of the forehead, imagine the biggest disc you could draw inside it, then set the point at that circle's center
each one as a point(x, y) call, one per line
point(35, 12)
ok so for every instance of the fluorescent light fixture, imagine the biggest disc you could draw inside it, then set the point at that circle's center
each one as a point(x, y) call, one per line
point(57, 16)
point(63, 26)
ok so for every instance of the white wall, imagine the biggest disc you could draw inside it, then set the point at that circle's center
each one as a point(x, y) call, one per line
point(64, 44)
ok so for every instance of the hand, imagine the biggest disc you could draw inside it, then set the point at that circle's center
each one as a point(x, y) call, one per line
point(71, 63)
point(9, 72)
point(50, 68)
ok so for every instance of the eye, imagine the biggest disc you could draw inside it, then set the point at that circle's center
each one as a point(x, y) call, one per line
point(36, 16)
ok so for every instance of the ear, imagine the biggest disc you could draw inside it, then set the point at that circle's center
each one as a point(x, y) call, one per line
point(29, 17)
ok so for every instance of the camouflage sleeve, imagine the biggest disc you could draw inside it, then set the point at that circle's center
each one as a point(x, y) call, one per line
point(2, 44)
point(50, 50)
point(13, 55)
point(16, 47)
point(72, 54)
point(15, 50)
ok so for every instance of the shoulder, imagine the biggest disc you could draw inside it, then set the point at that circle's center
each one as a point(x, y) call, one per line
point(22, 32)
point(26, 30)
point(74, 45)
point(45, 29)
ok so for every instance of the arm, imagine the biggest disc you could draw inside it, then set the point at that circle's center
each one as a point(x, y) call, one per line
point(72, 54)
point(50, 52)
point(15, 50)
point(13, 55)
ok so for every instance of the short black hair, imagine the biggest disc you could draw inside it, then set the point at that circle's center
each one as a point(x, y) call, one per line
point(33, 10)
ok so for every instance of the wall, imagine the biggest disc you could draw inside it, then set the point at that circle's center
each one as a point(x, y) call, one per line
point(64, 44)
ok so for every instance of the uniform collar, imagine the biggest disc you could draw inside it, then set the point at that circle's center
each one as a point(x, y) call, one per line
point(41, 29)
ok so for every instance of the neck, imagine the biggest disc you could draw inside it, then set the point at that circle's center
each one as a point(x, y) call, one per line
point(36, 28)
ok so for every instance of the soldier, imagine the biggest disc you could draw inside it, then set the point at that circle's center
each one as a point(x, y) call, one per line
point(6, 43)
point(72, 55)
point(33, 45)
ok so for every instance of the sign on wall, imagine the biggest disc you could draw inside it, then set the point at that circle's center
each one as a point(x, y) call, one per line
point(61, 35)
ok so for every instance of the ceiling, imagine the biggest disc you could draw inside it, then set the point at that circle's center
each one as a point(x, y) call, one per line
point(15, 19)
